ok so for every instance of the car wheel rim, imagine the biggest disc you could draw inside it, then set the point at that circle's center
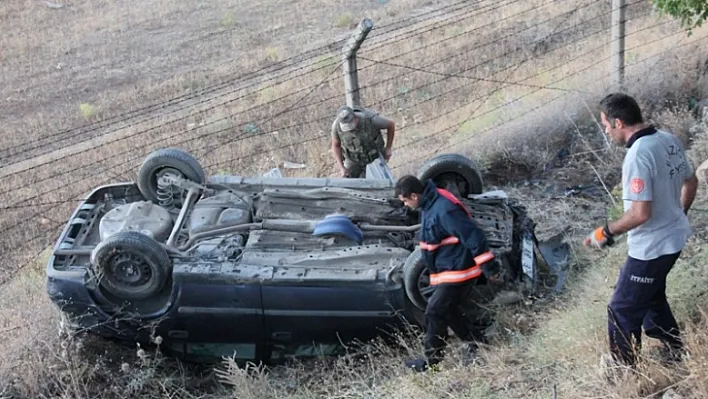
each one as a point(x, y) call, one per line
point(453, 182)
point(167, 171)
point(129, 271)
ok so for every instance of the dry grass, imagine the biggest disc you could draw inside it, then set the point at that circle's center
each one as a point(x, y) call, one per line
point(560, 350)
point(109, 58)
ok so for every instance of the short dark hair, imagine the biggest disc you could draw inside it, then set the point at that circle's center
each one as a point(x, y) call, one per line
point(623, 107)
point(408, 185)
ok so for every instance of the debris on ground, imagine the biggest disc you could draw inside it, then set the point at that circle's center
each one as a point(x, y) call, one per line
point(507, 298)
point(293, 165)
point(671, 394)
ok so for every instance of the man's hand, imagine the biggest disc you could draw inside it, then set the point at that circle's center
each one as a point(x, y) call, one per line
point(495, 279)
point(344, 171)
point(600, 238)
point(387, 154)
point(688, 192)
point(492, 270)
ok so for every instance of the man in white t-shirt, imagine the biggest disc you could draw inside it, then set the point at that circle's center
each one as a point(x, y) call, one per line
point(658, 188)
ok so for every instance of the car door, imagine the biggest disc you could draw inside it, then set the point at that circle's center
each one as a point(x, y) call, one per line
point(219, 307)
point(318, 309)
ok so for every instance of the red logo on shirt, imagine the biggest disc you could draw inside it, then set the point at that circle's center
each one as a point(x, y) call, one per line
point(637, 185)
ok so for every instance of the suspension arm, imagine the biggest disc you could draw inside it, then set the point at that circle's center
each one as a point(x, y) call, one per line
point(191, 196)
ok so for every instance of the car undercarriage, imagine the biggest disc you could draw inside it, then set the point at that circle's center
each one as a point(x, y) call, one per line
point(246, 264)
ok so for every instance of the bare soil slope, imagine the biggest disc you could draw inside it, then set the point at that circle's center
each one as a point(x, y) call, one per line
point(121, 55)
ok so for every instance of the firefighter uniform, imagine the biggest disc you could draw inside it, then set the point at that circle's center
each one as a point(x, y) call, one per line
point(456, 252)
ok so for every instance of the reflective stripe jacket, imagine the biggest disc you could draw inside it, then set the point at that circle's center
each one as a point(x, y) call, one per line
point(454, 248)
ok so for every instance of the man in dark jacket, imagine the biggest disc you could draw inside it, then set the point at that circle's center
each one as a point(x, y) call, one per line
point(456, 252)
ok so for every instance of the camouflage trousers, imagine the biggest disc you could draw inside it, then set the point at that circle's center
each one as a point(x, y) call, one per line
point(356, 169)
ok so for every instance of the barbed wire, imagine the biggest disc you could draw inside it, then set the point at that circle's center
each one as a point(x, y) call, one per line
point(292, 106)
point(488, 95)
point(245, 136)
point(33, 216)
point(262, 71)
point(376, 83)
point(457, 143)
point(450, 111)
point(185, 97)
point(433, 72)
point(522, 62)
point(32, 258)
point(229, 102)
point(115, 155)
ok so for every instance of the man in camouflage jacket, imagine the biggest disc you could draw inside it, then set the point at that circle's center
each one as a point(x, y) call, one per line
point(357, 139)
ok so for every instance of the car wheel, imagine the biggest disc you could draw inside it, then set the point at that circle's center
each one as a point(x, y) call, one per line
point(453, 172)
point(416, 280)
point(131, 265)
point(167, 160)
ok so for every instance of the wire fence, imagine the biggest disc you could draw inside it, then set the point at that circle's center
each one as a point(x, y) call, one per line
point(450, 71)
point(266, 74)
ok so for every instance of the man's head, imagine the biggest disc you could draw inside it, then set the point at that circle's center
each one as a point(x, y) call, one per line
point(347, 119)
point(621, 116)
point(410, 190)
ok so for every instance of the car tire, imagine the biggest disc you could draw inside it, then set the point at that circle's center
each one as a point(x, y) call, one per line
point(416, 280)
point(167, 159)
point(454, 172)
point(128, 252)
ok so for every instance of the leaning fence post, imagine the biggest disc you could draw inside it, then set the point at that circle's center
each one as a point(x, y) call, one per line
point(351, 79)
point(617, 47)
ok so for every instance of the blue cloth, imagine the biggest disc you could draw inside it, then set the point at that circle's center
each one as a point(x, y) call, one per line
point(339, 225)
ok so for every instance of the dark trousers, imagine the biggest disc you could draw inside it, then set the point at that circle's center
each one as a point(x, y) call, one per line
point(640, 300)
point(444, 311)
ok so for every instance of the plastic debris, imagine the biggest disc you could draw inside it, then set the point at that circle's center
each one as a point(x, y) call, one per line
point(275, 172)
point(293, 165)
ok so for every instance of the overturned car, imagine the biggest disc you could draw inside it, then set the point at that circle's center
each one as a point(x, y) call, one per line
point(240, 264)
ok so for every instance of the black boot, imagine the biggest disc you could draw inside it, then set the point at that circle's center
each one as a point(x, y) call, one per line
point(418, 365)
point(671, 355)
point(468, 353)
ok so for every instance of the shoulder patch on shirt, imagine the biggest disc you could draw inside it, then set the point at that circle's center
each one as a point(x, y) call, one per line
point(637, 185)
